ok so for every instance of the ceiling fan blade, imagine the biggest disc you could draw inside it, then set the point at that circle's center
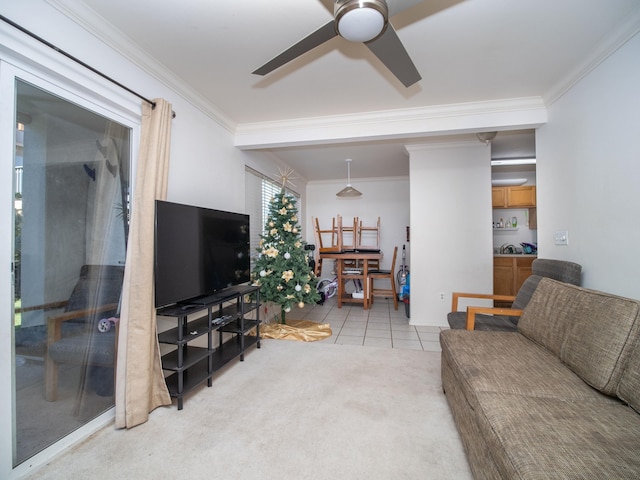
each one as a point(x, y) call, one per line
point(389, 49)
point(323, 34)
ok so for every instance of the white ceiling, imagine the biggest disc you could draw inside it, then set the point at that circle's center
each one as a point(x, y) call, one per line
point(466, 51)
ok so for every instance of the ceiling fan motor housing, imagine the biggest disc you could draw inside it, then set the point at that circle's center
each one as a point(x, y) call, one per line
point(360, 20)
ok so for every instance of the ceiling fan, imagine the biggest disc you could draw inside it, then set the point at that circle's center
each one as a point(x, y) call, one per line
point(365, 21)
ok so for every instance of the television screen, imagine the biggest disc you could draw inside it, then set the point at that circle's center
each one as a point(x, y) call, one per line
point(198, 251)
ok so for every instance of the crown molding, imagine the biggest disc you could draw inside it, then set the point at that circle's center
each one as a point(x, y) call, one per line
point(514, 113)
point(97, 26)
point(629, 28)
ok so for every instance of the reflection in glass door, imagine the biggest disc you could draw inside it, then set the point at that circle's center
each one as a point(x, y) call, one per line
point(71, 196)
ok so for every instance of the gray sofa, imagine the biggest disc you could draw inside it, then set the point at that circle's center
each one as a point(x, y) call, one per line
point(559, 398)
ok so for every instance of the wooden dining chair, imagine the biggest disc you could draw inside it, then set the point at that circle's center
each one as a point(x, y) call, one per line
point(347, 239)
point(369, 239)
point(380, 275)
point(347, 234)
point(331, 246)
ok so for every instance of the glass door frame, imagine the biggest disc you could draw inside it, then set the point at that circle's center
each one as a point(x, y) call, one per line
point(88, 91)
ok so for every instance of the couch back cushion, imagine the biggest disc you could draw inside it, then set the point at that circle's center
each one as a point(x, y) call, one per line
point(592, 332)
point(561, 270)
point(629, 387)
point(542, 320)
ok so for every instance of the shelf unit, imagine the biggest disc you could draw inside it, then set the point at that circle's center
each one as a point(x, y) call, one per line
point(224, 312)
point(342, 282)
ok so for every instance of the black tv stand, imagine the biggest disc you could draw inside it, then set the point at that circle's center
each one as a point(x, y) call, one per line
point(224, 312)
point(188, 306)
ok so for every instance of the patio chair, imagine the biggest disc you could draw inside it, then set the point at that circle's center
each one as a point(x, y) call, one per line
point(74, 336)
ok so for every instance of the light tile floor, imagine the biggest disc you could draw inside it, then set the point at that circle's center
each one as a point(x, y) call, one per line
point(379, 326)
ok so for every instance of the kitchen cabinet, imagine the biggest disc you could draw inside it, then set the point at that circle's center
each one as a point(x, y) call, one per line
point(510, 272)
point(513, 197)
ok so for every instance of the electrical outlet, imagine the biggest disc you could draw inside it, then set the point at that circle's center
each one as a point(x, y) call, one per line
point(441, 296)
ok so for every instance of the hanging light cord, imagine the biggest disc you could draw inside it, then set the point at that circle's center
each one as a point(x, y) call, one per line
point(78, 61)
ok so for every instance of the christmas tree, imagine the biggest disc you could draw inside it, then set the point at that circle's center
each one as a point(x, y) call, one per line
point(282, 269)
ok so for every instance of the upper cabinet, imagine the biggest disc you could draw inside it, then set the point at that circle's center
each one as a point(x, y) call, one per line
point(514, 197)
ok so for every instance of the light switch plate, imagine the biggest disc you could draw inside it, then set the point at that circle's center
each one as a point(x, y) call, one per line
point(562, 237)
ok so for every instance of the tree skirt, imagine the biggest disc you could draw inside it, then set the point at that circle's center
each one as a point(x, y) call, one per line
point(301, 330)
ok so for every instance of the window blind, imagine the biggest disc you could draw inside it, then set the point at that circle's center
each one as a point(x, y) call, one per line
point(259, 190)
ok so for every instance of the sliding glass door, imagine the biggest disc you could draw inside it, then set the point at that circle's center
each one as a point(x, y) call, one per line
point(72, 170)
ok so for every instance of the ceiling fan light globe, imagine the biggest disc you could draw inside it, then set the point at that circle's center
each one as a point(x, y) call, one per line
point(361, 20)
point(361, 25)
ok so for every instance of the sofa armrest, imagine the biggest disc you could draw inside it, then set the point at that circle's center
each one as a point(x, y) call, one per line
point(45, 307)
point(486, 296)
point(472, 311)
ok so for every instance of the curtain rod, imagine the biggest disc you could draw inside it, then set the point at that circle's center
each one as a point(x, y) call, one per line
point(79, 62)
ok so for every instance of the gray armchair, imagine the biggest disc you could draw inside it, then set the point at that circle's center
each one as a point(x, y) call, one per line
point(506, 319)
point(74, 336)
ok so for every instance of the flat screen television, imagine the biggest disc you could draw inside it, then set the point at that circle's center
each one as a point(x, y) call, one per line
point(198, 252)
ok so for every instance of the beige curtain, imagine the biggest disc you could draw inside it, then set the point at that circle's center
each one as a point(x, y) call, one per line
point(140, 385)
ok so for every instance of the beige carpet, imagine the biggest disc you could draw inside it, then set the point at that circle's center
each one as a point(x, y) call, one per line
point(291, 410)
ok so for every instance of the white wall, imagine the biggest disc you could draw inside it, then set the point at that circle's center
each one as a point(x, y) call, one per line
point(450, 226)
point(588, 174)
point(384, 198)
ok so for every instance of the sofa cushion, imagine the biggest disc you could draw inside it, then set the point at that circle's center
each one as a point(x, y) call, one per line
point(534, 438)
point(561, 270)
point(510, 363)
point(590, 331)
point(93, 348)
point(629, 387)
point(494, 323)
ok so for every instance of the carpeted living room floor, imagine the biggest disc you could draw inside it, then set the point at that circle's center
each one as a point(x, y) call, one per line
point(292, 410)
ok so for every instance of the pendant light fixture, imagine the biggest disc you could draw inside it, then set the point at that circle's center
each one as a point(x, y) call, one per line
point(486, 137)
point(348, 191)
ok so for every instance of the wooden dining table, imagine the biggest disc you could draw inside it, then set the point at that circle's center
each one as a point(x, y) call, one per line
point(348, 258)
